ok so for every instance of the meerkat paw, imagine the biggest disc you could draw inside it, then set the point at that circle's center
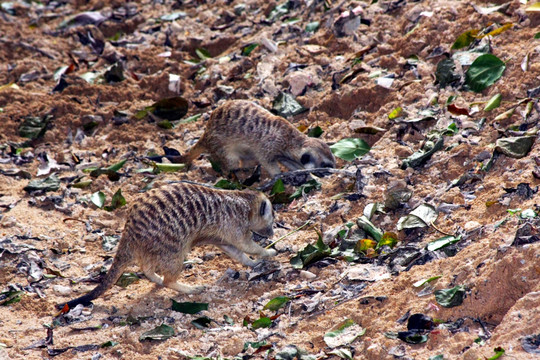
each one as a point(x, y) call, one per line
point(270, 253)
point(198, 289)
point(185, 289)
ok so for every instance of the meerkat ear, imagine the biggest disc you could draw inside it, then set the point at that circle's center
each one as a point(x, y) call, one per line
point(262, 210)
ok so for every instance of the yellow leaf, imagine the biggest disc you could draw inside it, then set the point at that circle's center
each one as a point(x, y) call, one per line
point(534, 7)
point(302, 128)
point(500, 30)
point(365, 244)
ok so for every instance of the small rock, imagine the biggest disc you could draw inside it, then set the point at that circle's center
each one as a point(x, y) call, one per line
point(472, 225)
point(61, 290)
point(307, 275)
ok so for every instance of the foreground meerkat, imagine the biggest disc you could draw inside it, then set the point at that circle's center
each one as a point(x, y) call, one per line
point(241, 133)
point(163, 226)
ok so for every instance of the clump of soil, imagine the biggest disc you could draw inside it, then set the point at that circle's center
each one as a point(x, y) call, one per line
point(87, 72)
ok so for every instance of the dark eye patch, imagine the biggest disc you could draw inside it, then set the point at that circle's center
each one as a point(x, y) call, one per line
point(262, 210)
point(306, 158)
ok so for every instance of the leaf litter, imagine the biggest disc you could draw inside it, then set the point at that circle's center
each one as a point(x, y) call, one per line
point(348, 269)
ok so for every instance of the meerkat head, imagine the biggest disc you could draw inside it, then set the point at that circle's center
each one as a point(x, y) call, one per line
point(315, 153)
point(262, 216)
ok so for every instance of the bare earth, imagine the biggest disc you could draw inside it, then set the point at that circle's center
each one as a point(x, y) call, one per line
point(51, 243)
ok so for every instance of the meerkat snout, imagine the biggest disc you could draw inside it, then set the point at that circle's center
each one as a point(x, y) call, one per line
point(166, 223)
point(315, 153)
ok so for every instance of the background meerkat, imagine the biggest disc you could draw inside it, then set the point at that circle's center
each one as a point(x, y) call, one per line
point(241, 133)
point(164, 225)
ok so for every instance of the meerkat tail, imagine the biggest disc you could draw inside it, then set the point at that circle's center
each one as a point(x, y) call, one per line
point(121, 261)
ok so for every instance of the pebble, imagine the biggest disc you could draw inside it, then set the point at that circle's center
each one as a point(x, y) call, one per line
point(307, 275)
point(61, 290)
point(471, 225)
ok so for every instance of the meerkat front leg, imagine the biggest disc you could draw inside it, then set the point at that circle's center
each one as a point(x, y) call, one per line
point(250, 247)
point(238, 255)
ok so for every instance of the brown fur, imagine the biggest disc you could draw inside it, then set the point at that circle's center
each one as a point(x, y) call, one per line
point(241, 133)
point(166, 223)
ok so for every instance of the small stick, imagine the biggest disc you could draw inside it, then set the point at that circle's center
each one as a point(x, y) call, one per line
point(290, 233)
point(442, 232)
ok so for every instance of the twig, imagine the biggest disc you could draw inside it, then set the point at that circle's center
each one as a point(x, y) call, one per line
point(439, 230)
point(317, 313)
point(29, 47)
point(290, 233)
point(292, 174)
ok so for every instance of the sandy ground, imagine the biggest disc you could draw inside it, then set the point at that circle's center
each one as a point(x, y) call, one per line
point(51, 243)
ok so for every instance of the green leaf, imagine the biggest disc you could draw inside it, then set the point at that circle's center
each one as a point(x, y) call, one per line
point(421, 216)
point(254, 344)
point(412, 337)
point(433, 143)
point(202, 322)
point(306, 188)
point(442, 242)
point(315, 132)
point(310, 254)
point(278, 187)
point(127, 279)
point(188, 307)
point(484, 71)
point(395, 113)
point(343, 353)
point(279, 11)
point(117, 166)
point(493, 103)
point(203, 54)
point(365, 224)
point(90, 77)
point(263, 322)
point(345, 334)
point(228, 185)
point(515, 147)
point(109, 343)
point(537, 35)
point(313, 26)
point(34, 127)
point(499, 351)
point(425, 281)
point(465, 39)
point(436, 357)
point(167, 167)
point(286, 105)
point(170, 108)
point(117, 201)
point(276, 303)
point(246, 50)
point(228, 319)
point(450, 297)
point(446, 72)
point(162, 332)
point(98, 199)
point(190, 119)
point(350, 149)
point(10, 297)
point(51, 183)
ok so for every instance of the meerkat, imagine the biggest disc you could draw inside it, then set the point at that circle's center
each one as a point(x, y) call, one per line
point(241, 133)
point(167, 222)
